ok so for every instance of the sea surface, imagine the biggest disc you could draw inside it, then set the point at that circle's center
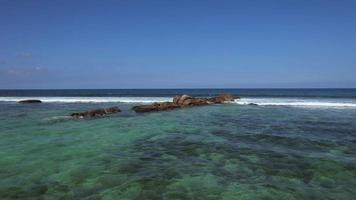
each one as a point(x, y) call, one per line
point(296, 144)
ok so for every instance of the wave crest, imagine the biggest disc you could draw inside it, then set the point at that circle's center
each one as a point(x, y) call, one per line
point(295, 102)
point(90, 99)
point(298, 102)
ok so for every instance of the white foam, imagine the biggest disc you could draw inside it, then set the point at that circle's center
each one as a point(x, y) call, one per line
point(90, 99)
point(297, 102)
point(317, 103)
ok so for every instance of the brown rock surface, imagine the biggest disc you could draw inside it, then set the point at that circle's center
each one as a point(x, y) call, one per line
point(156, 107)
point(223, 98)
point(96, 113)
point(184, 101)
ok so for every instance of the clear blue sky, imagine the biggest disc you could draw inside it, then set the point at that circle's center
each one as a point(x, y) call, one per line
point(177, 44)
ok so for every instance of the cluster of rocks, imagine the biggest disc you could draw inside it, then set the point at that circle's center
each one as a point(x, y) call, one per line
point(155, 107)
point(180, 101)
point(96, 113)
point(184, 101)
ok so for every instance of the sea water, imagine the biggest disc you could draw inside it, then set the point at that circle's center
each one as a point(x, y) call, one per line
point(296, 144)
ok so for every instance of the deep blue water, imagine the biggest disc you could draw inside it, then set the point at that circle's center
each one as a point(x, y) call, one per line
point(325, 93)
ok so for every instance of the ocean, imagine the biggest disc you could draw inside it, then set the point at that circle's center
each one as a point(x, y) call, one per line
point(296, 144)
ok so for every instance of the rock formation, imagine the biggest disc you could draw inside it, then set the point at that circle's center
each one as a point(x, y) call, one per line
point(156, 107)
point(184, 101)
point(223, 98)
point(30, 101)
point(96, 113)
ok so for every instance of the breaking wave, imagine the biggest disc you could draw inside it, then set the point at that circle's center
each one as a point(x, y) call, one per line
point(295, 102)
point(298, 102)
point(90, 99)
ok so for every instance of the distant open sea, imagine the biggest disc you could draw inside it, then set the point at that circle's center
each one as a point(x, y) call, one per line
point(296, 144)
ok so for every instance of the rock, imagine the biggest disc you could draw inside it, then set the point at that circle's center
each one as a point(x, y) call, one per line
point(114, 109)
point(167, 106)
point(176, 99)
point(199, 102)
point(223, 98)
point(183, 101)
point(30, 101)
point(186, 100)
point(253, 104)
point(195, 102)
point(156, 107)
point(96, 113)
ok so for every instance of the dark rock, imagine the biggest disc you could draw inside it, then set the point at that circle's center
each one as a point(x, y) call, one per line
point(96, 113)
point(184, 101)
point(156, 107)
point(223, 98)
point(253, 104)
point(30, 101)
point(198, 102)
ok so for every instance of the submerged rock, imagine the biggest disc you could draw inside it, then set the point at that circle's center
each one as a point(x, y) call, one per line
point(30, 101)
point(184, 101)
point(96, 113)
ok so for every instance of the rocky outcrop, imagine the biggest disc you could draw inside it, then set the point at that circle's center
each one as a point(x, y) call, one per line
point(184, 101)
point(30, 101)
point(96, 113)
point(156, 107)
point(223, 98)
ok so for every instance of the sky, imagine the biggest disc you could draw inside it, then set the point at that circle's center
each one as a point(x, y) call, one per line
point(72, 44)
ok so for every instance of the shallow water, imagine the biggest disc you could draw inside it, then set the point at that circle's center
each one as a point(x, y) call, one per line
point(214, 152)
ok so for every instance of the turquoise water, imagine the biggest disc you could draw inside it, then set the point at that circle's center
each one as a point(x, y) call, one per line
point(227, 151)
